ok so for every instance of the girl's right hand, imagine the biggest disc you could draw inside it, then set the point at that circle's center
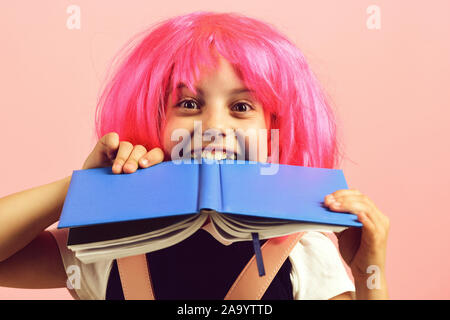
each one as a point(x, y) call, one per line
point(122, 155)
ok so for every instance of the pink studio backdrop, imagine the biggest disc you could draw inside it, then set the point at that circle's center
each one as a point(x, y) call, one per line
point(389, 87)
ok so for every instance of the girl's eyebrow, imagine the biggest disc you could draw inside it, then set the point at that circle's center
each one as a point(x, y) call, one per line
point(231, 92)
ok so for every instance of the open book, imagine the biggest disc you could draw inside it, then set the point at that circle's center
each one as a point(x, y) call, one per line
point(112, 216)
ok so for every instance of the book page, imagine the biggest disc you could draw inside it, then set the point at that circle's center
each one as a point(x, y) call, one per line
point(180, 225)
point(232, 228)
point(142, 246)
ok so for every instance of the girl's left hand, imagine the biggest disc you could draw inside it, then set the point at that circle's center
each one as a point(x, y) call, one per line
point(366, 246)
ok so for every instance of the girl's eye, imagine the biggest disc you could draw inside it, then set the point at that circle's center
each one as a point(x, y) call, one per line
point(244, 107)
point(187, 104)
point(192, 104)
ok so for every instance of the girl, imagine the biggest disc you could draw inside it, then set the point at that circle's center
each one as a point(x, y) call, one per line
point(227, 72)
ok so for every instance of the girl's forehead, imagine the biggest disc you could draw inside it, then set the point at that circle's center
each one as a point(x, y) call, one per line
point(220, 72)
point(240, 89)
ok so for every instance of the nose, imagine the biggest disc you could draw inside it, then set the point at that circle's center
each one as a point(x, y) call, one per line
point(216, 123)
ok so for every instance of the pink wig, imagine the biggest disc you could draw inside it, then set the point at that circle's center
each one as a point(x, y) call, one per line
point(180, 49)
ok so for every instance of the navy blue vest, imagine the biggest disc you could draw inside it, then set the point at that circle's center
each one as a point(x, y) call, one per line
point(201, 268)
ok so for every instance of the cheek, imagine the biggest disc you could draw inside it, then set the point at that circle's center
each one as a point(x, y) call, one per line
point(166, 130)
point(256, 144)
point(167, 136)
point(180, 130)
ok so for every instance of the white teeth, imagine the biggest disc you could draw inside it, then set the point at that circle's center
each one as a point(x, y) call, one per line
point(217, 155)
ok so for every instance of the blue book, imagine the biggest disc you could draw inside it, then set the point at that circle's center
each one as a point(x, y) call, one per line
point(117, 215)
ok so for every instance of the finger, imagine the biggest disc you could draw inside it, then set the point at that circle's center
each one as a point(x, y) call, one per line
point(154, 156)
point(358, 205)
point(377, 216)
point(348, 203)
point(109, 144)
point(359, 208)
point(374, 214)
point(124, 152)
point(366, 221)
point(339, 193)
point(131, 165)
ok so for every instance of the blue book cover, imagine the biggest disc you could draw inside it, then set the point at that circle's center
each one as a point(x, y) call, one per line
point(97, 196)
point(116, 215)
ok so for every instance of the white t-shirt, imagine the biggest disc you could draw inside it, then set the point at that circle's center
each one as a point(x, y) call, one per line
point(317, 270)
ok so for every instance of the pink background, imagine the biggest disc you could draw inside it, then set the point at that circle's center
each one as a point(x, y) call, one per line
point(390, 89)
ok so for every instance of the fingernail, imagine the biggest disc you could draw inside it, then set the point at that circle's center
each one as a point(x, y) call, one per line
point(336, 204)
point(130, 166)
point(116, 167)
point(144, 162)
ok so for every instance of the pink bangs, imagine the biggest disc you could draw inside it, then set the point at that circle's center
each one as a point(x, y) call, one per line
point(181, 49)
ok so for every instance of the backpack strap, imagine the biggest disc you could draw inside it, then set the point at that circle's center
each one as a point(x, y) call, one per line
point(137, 285)
point(249, 285)
point(135, 278)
